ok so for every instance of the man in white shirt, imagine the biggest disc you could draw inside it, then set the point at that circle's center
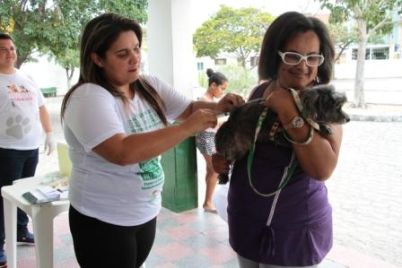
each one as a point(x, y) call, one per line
point(23, 115)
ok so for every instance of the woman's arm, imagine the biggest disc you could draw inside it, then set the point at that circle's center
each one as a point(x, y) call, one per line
point(319, 157)
point(226, 104)
point(125, 149)
point(198, 116)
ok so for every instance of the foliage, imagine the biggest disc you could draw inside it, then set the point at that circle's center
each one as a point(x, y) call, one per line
point(377, 14)
point(238, 31)
point(371, 17)
point(54, 25)
point(342, 37)
point(241, 80)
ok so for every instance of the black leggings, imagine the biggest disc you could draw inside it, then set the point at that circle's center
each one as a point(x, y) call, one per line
point(99, 244)
point(15, 164)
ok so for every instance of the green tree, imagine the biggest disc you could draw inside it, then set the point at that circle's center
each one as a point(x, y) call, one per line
point(238, 31)
point(342, 37)
point(371, 17)
point(54, 26)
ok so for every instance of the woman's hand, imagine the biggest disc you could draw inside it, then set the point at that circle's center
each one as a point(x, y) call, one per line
point(228, 102)
point(200, 120)
point(279, 99)
point(220, 164)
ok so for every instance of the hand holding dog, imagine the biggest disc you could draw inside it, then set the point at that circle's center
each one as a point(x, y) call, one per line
point(229, 101)
point(279, 99)
point(200, 120)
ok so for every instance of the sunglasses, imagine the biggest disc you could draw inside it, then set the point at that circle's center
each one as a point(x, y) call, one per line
point(293, 58)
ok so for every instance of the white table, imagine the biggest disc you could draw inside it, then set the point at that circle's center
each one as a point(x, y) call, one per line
point(42, 221)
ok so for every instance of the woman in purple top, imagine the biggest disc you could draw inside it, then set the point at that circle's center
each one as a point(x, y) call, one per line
point(293, 226)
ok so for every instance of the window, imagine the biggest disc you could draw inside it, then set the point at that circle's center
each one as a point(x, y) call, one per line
point(354, 54)
point(221, 61)
point(375, 53)
point(254, 61)
point(381, 53)
point(200, 66)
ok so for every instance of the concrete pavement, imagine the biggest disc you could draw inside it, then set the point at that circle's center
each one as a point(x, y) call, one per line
point(376, 90)
point(365, 192)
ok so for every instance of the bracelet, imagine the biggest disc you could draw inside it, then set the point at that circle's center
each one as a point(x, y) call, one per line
point(306, 142)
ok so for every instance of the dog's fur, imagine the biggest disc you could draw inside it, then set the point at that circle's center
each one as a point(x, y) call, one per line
point(234, 138)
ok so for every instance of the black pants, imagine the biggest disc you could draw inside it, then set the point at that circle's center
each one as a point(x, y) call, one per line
point(99, 244)
point(15, 164)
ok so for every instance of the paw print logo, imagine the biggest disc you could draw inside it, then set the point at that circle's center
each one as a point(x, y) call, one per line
point(18, 126)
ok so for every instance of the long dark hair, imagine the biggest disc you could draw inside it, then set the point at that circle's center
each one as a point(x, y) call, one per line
point(284, 28)
point(98, 36)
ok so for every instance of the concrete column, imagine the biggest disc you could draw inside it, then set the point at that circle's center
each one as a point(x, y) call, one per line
point(170, 46)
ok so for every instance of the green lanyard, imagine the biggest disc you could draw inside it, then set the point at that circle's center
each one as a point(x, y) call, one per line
point(250, 158)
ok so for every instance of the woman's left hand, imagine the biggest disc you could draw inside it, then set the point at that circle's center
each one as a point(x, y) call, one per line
point(278, 98)
point(229, 101)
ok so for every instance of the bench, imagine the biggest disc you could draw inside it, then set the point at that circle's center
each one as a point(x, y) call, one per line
point(49, 91)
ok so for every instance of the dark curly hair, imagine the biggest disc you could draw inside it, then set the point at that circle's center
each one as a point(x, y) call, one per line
point(283, 29)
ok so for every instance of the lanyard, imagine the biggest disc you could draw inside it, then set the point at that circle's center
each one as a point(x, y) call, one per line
point(250, 158)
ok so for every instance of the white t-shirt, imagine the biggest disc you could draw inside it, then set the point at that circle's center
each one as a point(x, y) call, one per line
point(20, 99)
point(122, 195)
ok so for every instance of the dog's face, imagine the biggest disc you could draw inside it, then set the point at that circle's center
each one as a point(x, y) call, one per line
point(234, 138)
point(324, 104)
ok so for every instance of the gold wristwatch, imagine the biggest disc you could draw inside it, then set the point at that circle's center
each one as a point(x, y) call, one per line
point(296, 122)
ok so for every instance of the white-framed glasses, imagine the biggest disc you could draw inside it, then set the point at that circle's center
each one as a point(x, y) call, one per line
point(293, 58)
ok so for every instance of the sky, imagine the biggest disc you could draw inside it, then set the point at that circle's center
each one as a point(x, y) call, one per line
point(204, 9)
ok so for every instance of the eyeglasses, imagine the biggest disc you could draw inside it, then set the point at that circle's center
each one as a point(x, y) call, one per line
point(293, 58)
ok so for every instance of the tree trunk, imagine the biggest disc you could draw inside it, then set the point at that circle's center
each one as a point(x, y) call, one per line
point(20, 60)
point(342, 48)
point(361, 58)
point(243, 62)
point(69, 75)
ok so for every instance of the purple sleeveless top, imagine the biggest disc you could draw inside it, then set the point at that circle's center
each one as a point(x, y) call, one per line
point(300, 233)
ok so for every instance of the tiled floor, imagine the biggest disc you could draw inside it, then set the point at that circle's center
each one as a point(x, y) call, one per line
point(192, 239)
point(187, 239)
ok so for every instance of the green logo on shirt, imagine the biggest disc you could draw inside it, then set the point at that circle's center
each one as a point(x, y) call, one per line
point(152, 173)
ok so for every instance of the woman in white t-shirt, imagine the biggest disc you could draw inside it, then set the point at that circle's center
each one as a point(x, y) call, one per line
point(205, 140)
point(116, 126)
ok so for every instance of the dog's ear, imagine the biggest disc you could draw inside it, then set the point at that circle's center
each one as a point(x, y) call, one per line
point(340, 101)
point(324, 105)
point(330, 107)
point(308, 98)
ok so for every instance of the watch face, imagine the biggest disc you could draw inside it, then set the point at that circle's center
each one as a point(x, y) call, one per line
point(298, 122)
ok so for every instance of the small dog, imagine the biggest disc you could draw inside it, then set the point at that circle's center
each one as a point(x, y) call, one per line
point(321, 105)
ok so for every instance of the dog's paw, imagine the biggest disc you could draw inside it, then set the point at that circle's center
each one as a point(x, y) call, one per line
point(325, 130)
